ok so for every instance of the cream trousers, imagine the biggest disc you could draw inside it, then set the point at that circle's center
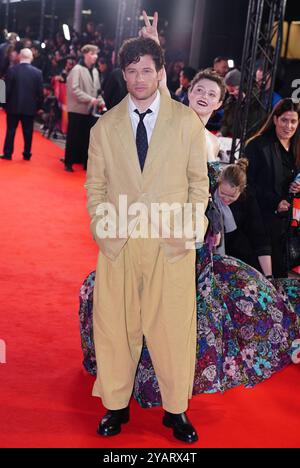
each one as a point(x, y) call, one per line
point(142, 293)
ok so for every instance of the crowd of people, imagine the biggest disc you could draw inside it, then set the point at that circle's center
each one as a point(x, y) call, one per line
point(246, 327)
point(56, 57)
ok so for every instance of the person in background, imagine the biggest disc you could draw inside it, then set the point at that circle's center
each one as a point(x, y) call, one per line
point(83, 96)
point(6, 49)
point(231, 184)
point(24, 97)
point(232, 82)
point(259, 78)
point(70, 63)
point(105, 68)
point(185, 77)
point(114, 89)
point(49, 114)
point(40, 61)
point(220, 66)
point(89, 35)
point(173, 73)
point(243, 235)
point(274, 160)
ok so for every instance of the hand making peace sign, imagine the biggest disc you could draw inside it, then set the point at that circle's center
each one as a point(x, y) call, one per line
point(149, 31)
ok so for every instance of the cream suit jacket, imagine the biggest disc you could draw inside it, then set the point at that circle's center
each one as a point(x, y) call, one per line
point(81, 89)
point(175, 169)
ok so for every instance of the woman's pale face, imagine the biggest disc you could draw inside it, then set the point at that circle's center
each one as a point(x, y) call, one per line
point(228, 193)
point(205, 97)
point(286, 125)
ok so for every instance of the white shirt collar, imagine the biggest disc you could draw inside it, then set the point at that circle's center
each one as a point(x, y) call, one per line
point(154, 106)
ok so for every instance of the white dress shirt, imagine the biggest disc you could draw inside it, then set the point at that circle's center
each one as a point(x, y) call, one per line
point(149, 119)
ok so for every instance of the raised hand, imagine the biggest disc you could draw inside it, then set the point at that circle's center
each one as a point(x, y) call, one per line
point(149, 31)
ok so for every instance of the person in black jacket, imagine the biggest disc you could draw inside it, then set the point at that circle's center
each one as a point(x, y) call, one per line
point(6, 48)
point(114, 89)
point(249, 242)
point(24, 96)
point(242, 232)
point(274, 160)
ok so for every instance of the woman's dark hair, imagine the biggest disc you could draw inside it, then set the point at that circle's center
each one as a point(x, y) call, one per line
point(285, 105)
point(211, 75)
point(133, 49)
point(189, 73)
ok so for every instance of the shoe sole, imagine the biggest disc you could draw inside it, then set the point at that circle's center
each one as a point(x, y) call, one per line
point(105, 434)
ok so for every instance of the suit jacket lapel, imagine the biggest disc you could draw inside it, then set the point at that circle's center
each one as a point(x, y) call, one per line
point(277, 168)
point(125, 132)
point(155, 153)
point(88, 74)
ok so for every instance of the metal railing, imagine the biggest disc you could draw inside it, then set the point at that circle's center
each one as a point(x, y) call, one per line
point(262, 46)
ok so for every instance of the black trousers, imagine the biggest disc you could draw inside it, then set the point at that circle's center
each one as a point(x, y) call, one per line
point(277, 227)
point(12, 121)
point(78, 137)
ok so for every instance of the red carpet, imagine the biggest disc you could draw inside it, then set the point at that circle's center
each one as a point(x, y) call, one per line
point(46, 251)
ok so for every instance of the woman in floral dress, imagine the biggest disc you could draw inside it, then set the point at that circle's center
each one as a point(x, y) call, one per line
point(245, 327)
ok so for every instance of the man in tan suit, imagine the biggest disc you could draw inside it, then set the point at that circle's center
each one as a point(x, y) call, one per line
point(151, 149)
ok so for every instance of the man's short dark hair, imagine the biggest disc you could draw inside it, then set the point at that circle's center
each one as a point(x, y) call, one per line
point(89, 48)
point(133, 49)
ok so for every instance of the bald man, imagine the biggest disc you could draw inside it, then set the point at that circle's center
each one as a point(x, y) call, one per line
point(24, 96)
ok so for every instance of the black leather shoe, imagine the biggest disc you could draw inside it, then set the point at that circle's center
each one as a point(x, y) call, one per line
point(3, 156)
point(182, 427)
point(111, 423)
point(69, 168)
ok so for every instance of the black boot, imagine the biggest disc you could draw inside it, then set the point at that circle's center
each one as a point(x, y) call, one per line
point(111, 423)
point(182, 427)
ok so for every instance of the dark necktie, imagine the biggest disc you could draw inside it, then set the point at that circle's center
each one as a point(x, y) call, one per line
point(141, 138)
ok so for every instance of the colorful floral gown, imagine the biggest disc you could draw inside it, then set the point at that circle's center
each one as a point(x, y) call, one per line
point(245, 328)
